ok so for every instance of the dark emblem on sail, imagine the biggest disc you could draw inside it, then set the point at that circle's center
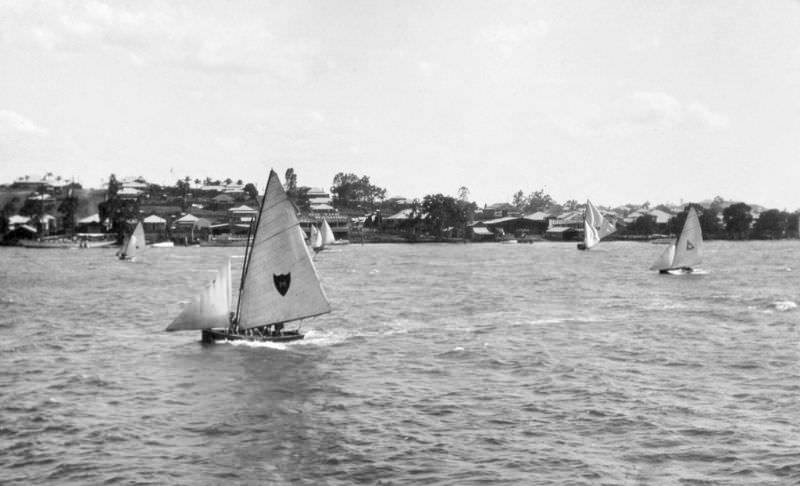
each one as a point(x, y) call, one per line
point(282, 282)
point(689, 245)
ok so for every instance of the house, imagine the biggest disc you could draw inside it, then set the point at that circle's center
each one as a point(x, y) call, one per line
point(90, 224)
point(478, 232)
point(155, 228)
point(511, 225)
point(17, 221)
point(538, 221)
point(403, 220)
point(129, 193)
point(499, 210)
point(241, 215)
point(562, 233)
point(190, 228)
point(224, 199)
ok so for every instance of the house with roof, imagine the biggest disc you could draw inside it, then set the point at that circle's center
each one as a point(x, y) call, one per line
point(498, 210)
point(190, 228)
point(155, 228)
point(90, 224)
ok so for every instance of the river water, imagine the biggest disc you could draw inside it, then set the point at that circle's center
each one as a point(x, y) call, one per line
point(440, 364)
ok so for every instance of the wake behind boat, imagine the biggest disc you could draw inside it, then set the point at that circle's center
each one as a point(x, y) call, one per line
point(681, 257)
point(279, 282)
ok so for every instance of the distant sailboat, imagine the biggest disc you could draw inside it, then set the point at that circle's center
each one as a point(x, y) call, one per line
point(133, 244)
point(327, 234)
point(279, 283)
point(315, 240)
point(595, 227)
point(683, 256)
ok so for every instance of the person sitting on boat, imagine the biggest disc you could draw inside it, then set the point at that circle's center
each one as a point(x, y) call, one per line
point(278, 329)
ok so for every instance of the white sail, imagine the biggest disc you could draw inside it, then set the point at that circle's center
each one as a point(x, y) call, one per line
point(664, 261)
point(133, 244)
point(210, 308)
point(327, 234)
point(689, 248)
point(315, 240)
point(595, 226)
point(280, 282)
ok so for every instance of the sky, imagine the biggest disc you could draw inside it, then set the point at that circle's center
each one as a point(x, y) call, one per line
point(618, 101)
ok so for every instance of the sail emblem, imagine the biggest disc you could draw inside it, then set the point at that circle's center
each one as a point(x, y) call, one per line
point(689, 245)
point(282, 282)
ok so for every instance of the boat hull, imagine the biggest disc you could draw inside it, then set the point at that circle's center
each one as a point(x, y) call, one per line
point(683, 271)
point(214, 335)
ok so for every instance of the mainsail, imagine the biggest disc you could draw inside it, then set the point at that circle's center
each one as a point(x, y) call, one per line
point(327, 234)
point(689, 248)
point(210, 308)
point(279, 281)
point(134, 243)
point(315, 240)
point(595, 226)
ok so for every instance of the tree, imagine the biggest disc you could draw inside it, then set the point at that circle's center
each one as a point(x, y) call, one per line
point(298, 195)
point(709, 221)
point(538, 201)
point(643, 225)
point(443, 212)
point(290, 180)
point(463, 194)
point(118, 210)
point(228, 181)
point(68, 207)
point(771, 224)
point(251, 190)
point(519, 200)
point(353, 192)
point(737, 219)
point(571, 205)
point(11, 206)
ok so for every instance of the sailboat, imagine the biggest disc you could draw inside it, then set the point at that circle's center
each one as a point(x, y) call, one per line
point(681, 257)
point(133, 244)
point(315, 240)
point(327, 234)
point(595, 227)
point(279, 283)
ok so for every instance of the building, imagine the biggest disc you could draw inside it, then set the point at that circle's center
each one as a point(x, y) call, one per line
point(155, 228)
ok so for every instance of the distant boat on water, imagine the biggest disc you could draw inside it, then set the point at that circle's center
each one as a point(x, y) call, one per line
point(681, 257)
point(279, 282)
point(163, 244)
point(327, 234)
point(315, 239)
point(595, 227)
point(133, 244)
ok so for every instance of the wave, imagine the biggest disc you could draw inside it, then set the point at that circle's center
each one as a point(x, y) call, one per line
point(784, 305)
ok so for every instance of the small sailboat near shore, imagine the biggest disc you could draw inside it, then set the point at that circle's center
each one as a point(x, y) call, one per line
point(279, 282)
point(595, 227)
point(682, 257)
point(133, 244)
point(315, 240)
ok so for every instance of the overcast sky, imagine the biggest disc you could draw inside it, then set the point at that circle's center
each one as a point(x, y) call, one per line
point(615, 101)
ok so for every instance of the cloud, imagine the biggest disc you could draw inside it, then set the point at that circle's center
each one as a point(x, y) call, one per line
point(16, 123)
point(645, 110)
point(508, 37)
point(160, 33)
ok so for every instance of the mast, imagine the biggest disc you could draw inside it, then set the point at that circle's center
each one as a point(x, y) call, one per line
point(251, 237)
